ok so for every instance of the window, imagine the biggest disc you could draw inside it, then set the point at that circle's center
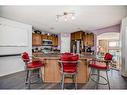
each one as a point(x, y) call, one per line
point(113, 44)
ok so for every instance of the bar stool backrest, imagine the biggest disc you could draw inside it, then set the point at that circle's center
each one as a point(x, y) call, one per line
point(108, 56)
point(69, 62)
point(25, 57)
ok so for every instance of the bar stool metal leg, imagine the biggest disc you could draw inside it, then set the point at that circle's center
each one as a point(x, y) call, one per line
point(29, 79)
point(75, 82)
point(62, 81)
point(107, 79)
point(27, 74)
point(39, 73)
point(40, 76)
point(90, 74)
point(73, 78)
point(98, 78)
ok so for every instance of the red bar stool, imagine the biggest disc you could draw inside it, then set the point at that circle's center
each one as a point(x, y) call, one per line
point(68, 66)
point(31, 67)
point(100, 65)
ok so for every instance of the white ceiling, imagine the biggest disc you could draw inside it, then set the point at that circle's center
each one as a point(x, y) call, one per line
point(44, 17)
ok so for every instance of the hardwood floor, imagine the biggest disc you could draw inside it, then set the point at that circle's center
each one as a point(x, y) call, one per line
point(17, 81)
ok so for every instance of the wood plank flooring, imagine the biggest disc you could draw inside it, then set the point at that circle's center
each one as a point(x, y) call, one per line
point(17, 81)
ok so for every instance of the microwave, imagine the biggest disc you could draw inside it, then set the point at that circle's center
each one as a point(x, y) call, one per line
point(46, 42)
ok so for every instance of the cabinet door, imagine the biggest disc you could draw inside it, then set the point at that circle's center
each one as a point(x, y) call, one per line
point(36, 39)
point(45, 36)
point(86, 39)
point(72, 36)
point(92, 39)
point(49, 37)
point(55, 41)
point(42, 37)
point(89, 39)
point(51, 72)
point(78, 35)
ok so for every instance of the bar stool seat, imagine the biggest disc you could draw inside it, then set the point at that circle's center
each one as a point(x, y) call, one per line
point(96, 66)
point(35, 64)
point(69, 70)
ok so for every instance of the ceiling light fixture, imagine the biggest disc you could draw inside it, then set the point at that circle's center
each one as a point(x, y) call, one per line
point(66, 16)
point(48, 34)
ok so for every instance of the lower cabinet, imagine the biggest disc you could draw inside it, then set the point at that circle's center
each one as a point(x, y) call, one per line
point(52, 72)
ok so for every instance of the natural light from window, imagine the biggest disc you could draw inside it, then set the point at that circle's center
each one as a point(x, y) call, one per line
point(113, 43)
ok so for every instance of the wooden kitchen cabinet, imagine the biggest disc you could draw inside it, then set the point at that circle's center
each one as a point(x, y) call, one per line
point(44, 36)
point(55, 40)
point(88, 39)
point(50, 37)
point(36, 39)
point(78, 35)
point(52, 73)
point(72, 36)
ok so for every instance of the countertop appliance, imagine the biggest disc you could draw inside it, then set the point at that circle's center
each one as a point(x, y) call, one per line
point(46, 42)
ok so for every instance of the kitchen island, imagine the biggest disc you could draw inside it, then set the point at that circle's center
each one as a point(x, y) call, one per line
point(51, 73)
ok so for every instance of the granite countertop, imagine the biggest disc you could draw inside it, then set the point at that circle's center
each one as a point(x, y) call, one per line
point(56, 56)
point(47, 55)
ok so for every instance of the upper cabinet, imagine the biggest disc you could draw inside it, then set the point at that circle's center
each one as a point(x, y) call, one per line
point(88, 39)
point(55, 40)
point(50, 37)
point(72, 36)
point(44, 36)
point(36, 39)
point(76, 35)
